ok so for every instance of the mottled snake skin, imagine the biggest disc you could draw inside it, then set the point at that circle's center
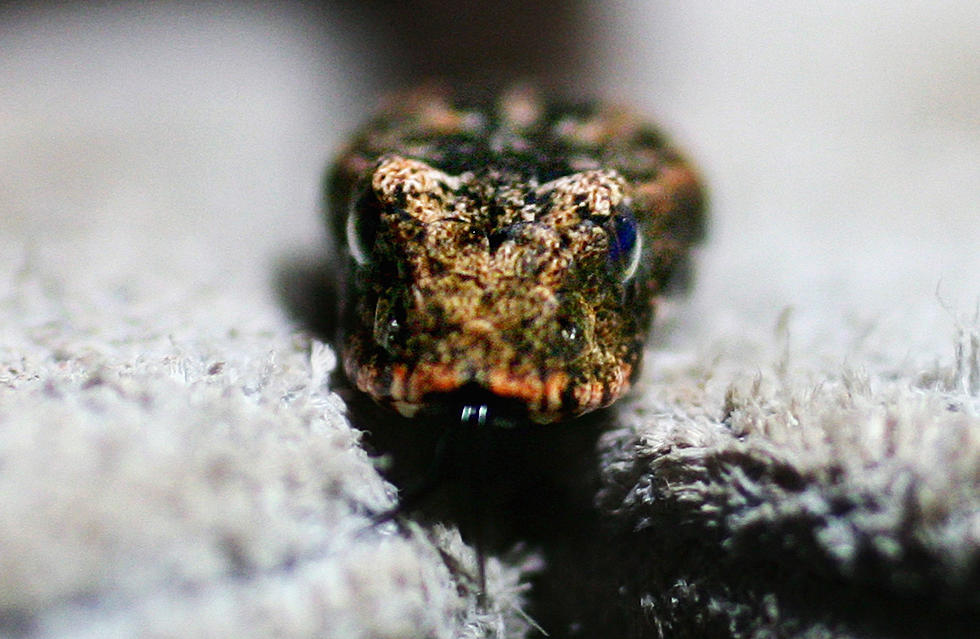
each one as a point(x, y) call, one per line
point(513, 245)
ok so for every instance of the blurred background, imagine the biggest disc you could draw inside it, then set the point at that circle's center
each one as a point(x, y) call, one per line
point(840, 139)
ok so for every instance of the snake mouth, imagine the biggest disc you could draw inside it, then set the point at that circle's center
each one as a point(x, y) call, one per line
point(475, 405)
point(543, 397)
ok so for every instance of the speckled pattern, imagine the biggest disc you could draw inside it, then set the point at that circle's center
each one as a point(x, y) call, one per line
point(515, 245)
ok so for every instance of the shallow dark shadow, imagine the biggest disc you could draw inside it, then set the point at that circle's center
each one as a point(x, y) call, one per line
point(538, 483)
point(536, 491)
point(305, 287)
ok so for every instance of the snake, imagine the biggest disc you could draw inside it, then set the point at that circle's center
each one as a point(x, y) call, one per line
point(504, 252)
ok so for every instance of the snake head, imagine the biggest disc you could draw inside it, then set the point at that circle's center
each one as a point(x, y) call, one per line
point(518, 257)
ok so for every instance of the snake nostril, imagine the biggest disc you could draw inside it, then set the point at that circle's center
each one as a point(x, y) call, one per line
point(389, 324)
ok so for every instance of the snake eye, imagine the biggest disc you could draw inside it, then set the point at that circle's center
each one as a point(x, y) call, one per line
point(572, 327)
point(363, 221)
point(625, 244)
